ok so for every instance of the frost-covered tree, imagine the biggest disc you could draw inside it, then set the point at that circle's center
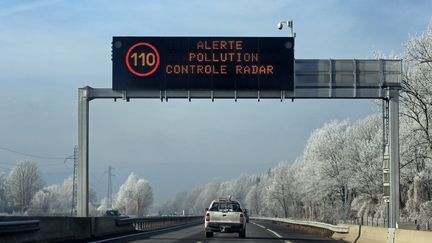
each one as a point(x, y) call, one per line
point(196, 201)
point(416, 126)
point(53, 200)
point(326, 152)
point(145, 195)
point(103, 207)
point(253, 200)
point(3, 193)
point(210, 192)
point(282, 189)
point(56, 200)
point(340, 168)
point(134, 197)
point(364, 162)
point(41, 203)
point(181, 201)
point(23, 182)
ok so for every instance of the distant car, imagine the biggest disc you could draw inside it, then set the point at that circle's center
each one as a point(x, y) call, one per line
point(225, 216)
point(112, 213)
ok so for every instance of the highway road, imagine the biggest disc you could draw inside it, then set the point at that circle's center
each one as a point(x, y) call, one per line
point(257, 231)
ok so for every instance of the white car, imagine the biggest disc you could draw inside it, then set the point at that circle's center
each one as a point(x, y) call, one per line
point(225, 216)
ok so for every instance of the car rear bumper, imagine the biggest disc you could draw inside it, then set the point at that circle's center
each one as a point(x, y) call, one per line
point(223, 227)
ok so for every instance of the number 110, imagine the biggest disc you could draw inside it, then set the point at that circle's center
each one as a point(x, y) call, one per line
point(145, 59)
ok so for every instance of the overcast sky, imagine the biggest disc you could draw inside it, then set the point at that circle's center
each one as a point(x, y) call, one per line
point(48, 49)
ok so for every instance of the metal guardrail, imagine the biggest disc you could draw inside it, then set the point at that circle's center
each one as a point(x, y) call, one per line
point(149, 223)
point(334, 228)
point(19, 226)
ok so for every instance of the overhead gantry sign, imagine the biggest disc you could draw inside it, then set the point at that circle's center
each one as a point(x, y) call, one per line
point(240, 68)
point(203, 63)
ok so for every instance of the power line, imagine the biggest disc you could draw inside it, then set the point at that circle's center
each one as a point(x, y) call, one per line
point(6, 163)
point(28, 155)
point(39, 164)
point(5, 169)
point(56, 173)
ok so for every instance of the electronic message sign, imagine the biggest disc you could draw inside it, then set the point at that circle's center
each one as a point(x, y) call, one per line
point(203, 63)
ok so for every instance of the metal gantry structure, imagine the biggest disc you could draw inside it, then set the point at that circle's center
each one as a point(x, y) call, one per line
point(313, 79)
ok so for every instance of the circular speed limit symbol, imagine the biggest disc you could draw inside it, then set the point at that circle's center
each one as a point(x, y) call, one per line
point(142, 59)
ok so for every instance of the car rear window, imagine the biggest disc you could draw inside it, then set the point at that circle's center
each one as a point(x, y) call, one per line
point(225, 206)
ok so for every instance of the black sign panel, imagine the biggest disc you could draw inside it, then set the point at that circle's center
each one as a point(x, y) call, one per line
point(203, 63)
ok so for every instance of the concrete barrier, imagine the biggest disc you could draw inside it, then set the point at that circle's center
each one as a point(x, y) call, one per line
point(19, 226)
point(61, 229)
point(50, 229)
point(150, 223)
point(380, 235)
point(351, 236)
point(107, 226)
point(355, 233)
point(409, 236)
point(312, 227)
point(307, 224)
point(371, 234)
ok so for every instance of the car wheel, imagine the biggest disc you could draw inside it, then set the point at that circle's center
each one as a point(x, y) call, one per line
point(208, 234)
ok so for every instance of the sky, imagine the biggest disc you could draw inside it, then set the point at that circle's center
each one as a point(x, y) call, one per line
point(50, 48)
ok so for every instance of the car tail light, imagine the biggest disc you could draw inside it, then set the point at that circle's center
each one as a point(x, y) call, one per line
point(207, 217)
point(241, 218)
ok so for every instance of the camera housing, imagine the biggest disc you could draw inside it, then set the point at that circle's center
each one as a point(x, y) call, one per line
point(279, 25)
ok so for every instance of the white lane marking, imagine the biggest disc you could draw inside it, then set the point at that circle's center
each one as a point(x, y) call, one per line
point(259, 225)
point(199, 242)
point(143, 233)
point(278, 235)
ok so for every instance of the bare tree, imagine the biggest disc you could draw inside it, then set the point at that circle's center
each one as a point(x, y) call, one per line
point(23, 182)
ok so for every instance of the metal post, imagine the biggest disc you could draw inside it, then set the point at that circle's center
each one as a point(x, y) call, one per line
point(83, 148)
point(74, 181)
point(394, 158)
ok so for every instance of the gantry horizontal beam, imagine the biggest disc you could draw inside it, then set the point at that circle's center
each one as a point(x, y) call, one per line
point(314, 79)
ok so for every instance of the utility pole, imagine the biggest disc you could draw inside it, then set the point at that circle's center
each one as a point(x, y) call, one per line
point(74, 180)
point(109, 192)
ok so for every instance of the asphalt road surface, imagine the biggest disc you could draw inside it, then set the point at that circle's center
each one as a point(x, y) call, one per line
point(256, 231)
